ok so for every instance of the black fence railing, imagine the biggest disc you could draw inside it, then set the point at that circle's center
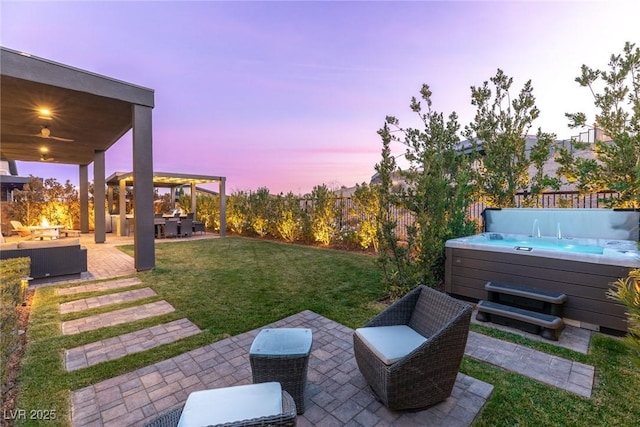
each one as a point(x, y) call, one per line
point(350, 216)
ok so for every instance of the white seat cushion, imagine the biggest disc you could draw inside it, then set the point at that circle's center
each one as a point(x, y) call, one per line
point(225, 405)
point(390, 343)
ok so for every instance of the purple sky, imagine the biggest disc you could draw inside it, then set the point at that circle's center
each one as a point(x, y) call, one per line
point(289, 95)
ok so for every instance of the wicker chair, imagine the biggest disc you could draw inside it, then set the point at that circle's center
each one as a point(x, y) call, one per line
point(286, 418)
point(427, 374)
point(171, 228)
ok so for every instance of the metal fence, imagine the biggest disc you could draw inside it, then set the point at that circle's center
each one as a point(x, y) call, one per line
point(349, 214)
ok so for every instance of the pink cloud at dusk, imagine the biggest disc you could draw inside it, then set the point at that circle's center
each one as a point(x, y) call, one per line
point(289, 95)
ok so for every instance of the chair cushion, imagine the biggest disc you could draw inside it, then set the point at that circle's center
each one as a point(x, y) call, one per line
point(225, 405)
point(390, 343)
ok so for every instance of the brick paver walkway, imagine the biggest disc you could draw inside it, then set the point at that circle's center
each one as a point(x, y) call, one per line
point(116, 317)
point(338, 394)
point(105, 300)
point(100, 286)
point(562, 373)
point(134, 342)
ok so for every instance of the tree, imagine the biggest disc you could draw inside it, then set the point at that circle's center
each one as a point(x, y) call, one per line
point(367, 207)
point(259, 215)
point(46, 199)
point(500, 129)
point(613, 162)
point(287, 217)
point(322, 214)
point(436, 193)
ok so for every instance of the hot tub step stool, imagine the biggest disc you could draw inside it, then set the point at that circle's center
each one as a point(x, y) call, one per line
point(532, 310)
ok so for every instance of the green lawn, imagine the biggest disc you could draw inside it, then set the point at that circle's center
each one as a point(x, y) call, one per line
point(232, 285)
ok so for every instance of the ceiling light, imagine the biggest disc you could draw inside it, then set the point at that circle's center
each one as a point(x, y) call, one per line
point(45, 114)
point(44, 150)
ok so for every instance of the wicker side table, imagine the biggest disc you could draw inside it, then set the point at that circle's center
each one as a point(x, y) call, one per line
point(282, 355)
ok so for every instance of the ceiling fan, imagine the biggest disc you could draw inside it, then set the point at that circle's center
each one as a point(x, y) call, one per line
point(45, 133)
point(46, 158)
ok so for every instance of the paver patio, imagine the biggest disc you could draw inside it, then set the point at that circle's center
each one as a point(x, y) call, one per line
point(338, 394)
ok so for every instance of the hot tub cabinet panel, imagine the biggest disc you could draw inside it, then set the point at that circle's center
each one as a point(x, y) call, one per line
point(584, 283)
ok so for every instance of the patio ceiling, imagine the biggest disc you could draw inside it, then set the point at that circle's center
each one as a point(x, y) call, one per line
point(91, 110)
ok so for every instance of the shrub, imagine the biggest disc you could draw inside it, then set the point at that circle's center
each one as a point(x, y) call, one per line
point(11, 295)
point(627, 291)
point(322, 214)
point(287, 221)
point(367, 203)
point(238, 211)
point(259, 211)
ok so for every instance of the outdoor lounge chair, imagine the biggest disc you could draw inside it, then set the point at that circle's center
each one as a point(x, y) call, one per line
point(410, 353)
point(21, 229)
point(264, 404)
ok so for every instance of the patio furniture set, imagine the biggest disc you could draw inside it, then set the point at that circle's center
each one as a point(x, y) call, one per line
point(409, 355)
point(176, 225)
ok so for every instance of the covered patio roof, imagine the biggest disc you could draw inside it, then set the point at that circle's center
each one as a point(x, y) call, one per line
point(51, 112)
point(165, 179)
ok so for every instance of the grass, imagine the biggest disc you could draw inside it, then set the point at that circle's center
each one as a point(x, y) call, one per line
point(232, 285)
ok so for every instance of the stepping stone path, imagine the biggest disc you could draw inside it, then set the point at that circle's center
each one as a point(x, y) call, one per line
point(100, 286)
point(122, 345)
point(562, 373)
point(104, 300)
point(134, 342)
point(116, 317)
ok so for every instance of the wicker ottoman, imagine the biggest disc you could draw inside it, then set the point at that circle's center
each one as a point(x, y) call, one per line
point(282, 355)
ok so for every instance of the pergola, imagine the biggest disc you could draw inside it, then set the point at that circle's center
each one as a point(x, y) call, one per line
point(57, 113)
point(122, 180)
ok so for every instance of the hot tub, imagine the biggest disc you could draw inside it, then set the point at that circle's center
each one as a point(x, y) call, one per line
point(549, 254)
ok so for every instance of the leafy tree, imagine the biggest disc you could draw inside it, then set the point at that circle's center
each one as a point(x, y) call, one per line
point(613, 162)
point(259, 214)
point(322, 214)
point(238, 211)
point(287, 217)
point(500, 127)
point(48, 199)
point(366, 199)
point(436, 192)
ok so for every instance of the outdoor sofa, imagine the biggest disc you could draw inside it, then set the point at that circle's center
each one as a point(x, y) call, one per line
point(62, 257)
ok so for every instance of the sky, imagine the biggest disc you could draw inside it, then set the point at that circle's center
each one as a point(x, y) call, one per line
point(289, 95)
